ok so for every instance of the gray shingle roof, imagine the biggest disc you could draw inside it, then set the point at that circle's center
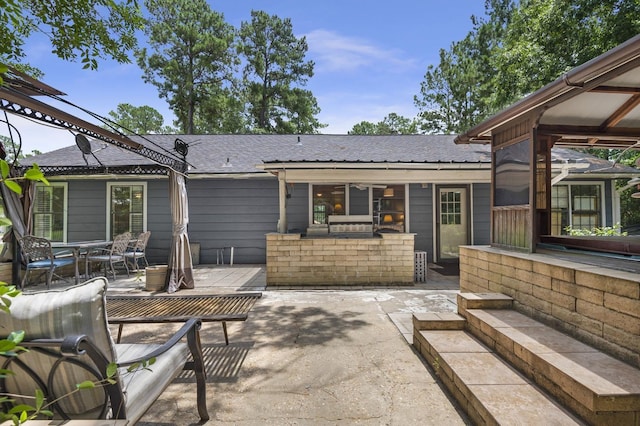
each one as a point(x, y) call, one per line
point(209, 153)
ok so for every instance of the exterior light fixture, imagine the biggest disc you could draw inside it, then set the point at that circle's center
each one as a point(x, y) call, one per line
point(388, 192)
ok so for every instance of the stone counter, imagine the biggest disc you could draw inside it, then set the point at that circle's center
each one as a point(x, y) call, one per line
point(293, 260)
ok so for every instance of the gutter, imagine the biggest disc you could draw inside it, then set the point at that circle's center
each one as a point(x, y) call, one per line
point(575, 80)
point(375, 166)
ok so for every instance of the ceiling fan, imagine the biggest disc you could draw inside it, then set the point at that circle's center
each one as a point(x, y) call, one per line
point(363, 186)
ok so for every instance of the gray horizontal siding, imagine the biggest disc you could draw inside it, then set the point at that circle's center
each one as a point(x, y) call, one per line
point(158, 221)
point(298, 208)
point(233, 212)
point(86, 210)
point(87, 215)
point(421, 218)
point(239, 212)
point(481, 213)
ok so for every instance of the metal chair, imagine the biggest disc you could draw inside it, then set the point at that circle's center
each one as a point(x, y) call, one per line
point(112, 256)
point(138, 250)
point(38, 255)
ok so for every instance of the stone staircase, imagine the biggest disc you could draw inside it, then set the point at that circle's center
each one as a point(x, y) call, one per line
point(506, 368)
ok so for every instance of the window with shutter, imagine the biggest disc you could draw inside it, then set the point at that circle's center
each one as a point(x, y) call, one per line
point(127, 207)
point(49, 211)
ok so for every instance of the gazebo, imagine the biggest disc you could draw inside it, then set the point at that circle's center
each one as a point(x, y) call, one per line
point(587, 286)
point(18, 96)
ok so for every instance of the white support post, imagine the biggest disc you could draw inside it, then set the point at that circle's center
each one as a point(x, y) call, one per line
point(282, 221)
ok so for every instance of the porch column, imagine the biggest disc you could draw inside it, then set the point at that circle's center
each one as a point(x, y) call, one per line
point(282, 197)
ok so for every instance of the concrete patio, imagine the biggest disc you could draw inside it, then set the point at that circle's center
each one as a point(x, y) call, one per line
point(321, 356)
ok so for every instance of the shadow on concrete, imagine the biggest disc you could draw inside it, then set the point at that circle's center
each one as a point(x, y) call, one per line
point(288, 325)
point(222, 362)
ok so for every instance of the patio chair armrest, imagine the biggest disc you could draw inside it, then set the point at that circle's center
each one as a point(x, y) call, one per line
point(72, 345)
point(190, 329)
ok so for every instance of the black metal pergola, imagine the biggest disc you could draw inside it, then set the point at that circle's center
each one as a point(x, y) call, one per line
point(17, 96)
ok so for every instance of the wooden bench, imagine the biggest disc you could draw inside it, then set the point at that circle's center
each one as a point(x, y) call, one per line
point(123, 310)
point(68, 341)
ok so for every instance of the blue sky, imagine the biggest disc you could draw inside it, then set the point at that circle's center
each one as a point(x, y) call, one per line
point(370, 58)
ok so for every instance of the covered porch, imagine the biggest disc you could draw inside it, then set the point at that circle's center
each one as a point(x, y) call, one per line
point(362, 226)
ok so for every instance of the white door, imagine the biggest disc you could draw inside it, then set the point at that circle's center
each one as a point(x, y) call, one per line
point(453, 227)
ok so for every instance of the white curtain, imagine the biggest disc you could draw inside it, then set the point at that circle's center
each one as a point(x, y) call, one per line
point(180, 267)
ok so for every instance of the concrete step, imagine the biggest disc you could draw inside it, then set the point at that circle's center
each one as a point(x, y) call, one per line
point(483, 301)
point(438, 321)
point(489, 390)
point(599, 388)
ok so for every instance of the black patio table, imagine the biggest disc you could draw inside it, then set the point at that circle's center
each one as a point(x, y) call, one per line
point(77, 247)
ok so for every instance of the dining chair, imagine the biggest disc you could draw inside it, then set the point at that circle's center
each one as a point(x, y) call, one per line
point(38, 256)
point(138, 250)
point(112, 256)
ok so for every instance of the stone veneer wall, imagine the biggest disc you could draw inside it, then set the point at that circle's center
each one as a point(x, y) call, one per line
point(326, 261)
point(600, 306)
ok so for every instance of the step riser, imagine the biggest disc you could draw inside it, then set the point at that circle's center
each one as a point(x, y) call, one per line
point(438, 321)
point(483, 301)
point(569, 392)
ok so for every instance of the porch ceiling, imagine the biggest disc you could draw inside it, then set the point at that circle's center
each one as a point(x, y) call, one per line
point(594, 105)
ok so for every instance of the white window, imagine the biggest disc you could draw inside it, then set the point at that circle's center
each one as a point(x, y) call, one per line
point(579, 206)
point(328, 200)
point(50, 211)
point(127, 208)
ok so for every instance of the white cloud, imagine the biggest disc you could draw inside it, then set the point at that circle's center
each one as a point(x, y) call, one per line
point(342, 110)
point(334, 53)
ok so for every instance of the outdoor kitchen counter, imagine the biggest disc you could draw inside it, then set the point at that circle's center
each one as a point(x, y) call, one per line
point(383, 259)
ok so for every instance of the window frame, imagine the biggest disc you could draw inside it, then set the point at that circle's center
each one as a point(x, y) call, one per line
point(312, 196)
point(570, 211)
point(347, 200)
point(110, 186)
point(65, 207)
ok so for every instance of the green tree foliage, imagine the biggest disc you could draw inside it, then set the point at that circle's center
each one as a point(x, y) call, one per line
point(14, 151)
point(458, 93)
point(140, 120)
point(630, 209)
point(191, 61)
point(546, 38)
point(392, 124)
point(89, 29)
point(517, 49)
point(273, 76)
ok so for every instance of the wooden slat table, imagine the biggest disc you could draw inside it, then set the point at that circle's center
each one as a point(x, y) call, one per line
point(123, 310)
